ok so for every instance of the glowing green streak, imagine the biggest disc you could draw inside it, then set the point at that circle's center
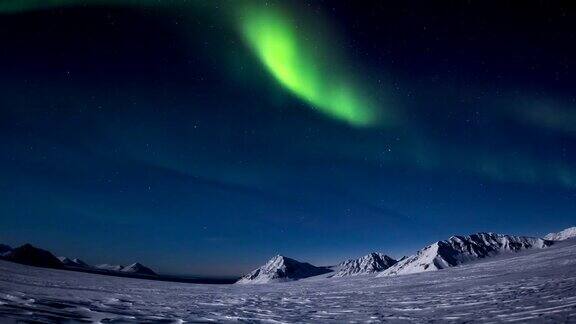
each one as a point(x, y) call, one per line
point(302, 68)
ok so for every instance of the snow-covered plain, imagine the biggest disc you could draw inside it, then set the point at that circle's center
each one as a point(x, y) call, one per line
point(535, 285)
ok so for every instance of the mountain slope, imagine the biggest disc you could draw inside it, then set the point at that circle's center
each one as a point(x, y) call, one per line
point(562, 235)
point(461, 249)
point(281, 268)
point(137, 268)
point(371, 263)
point(81, 263)
point(75, 263)
point(30, 255)
point(65, 261)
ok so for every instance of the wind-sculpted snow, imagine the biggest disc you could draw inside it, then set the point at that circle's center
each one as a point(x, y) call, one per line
point(536, 286)
point(461, 249)
point(562, 235)
point(371, 263)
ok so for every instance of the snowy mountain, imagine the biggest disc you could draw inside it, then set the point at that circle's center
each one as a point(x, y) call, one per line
point(81, 263)
point(65, 261)
point(137, 268)
point(461, 249)
point(371, 263)
point(77, 263)
point(281, 268)
point(30, 255)
point(134, 268)
point(562, 235)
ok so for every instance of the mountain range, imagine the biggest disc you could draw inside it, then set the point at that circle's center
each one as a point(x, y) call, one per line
point(33, 256)
point(443, 254)
point(452, 252)
point(462, 249)
point(73, 262)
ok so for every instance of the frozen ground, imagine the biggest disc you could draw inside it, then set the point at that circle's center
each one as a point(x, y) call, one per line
point(538, 286)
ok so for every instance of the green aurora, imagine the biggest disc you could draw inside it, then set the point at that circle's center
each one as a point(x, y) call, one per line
point(304, 67)
point(300, 65)
point(308, 65)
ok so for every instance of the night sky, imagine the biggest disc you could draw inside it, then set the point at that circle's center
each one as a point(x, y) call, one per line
point(203, 137)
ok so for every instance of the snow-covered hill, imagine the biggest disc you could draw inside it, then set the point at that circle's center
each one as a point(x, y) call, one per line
point(80, 262)
point(281, 268)
point(77, 263)
point(371, 263)
point(31, 255)
point(137, 268)
point(562, 235)
point(461, 249)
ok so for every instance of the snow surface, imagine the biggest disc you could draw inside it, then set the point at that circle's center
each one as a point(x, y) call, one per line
point(537, 285)
point(562, 235)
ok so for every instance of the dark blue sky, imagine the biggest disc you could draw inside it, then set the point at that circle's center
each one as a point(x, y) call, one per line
point(137, 134)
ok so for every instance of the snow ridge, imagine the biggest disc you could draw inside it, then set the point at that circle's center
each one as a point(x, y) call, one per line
point(281, 268)
point(371, 263)
point(562, 235)
point(461, 249)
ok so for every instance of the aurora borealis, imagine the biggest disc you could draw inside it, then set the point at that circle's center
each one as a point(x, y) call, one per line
point(304, 66)
point(240, 129)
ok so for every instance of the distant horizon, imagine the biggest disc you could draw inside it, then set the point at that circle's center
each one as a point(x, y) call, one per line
point(238, 275)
